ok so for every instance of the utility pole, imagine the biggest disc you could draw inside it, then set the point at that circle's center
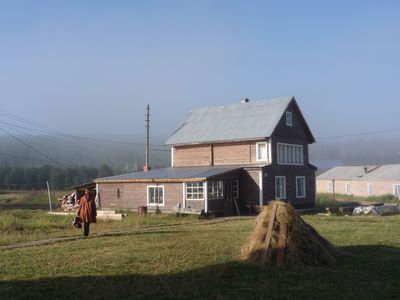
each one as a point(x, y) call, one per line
point(147, 163)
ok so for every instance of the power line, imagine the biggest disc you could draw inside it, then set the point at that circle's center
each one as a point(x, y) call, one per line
point(52, 131)
point(23, 157)
point(31, 147)
point(359, 134)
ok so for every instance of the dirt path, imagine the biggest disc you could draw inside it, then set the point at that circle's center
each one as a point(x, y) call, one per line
point(119, 232)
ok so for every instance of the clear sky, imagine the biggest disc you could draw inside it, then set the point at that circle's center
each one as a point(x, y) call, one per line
point(90, 67)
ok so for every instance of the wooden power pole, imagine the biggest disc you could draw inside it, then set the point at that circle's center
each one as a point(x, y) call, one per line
point(147, 163)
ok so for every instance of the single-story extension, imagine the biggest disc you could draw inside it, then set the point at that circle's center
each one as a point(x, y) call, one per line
point(372, 180)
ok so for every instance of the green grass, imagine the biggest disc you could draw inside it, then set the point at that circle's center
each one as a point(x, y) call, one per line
point(23, 217)
point(28, 225)
point(27, 199)
point(201, 262)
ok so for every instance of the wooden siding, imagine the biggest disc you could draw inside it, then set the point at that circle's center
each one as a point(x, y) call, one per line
point(234, 153)
point(290, 172)
point(133, 195)
point(226, 205)
point(296, 131)
point(358, 187)
point(195, 204)
point(198, 155)
point(249, 189)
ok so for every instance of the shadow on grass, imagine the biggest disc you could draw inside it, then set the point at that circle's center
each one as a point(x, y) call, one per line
point(369, 272)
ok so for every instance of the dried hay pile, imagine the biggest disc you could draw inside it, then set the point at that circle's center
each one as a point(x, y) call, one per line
point(281, 237)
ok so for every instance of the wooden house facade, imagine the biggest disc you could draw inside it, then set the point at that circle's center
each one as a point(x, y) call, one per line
point(227, 160)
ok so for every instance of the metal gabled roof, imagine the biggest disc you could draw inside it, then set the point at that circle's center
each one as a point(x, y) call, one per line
point(181, 173)
point(374, 173)
point(384, 172)
point(241, 121)
point(345, 173)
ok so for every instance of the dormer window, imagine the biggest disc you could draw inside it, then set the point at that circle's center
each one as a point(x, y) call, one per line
point(289, 118)
point(262, 151)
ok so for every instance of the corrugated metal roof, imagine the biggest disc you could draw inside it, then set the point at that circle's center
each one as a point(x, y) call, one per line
point(241, 121)
point(374, 173)
point(384, 172)
point(173, 173)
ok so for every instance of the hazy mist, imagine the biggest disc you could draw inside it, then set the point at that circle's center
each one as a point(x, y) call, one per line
point(88, 68)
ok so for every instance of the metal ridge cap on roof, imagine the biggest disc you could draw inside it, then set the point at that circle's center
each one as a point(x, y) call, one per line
point(271, 101)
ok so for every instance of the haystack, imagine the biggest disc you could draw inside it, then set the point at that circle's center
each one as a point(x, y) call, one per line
point(281, 237)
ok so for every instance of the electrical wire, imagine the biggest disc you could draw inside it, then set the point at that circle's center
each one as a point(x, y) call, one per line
point(31, 147)
point(358, 134)
point(23, 157)
point(55, 132)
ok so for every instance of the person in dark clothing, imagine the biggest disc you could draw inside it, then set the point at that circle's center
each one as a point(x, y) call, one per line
point(87, 211)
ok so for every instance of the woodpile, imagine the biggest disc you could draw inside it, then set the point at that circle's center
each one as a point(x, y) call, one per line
point(281, 237)
point(68, 202)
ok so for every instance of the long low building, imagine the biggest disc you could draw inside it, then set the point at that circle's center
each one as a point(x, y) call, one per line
point(375, 180)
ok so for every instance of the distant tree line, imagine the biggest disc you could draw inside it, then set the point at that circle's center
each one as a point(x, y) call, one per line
point(29, 178)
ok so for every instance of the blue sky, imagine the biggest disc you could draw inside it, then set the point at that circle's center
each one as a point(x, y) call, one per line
point(90, 67)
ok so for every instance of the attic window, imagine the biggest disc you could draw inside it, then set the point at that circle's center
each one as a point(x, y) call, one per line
point(289, 118)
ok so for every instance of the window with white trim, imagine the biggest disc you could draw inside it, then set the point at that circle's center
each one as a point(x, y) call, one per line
point(235, 189)
point(280, 187)
point(370, 189)
point(194, 190)
point(396, 190)
point(290, 154)
point(330, 187)
point(215, 189)
point(289, 118)
point(262, 151)
point(300, 186)
point(155, 195)
point(347, 188)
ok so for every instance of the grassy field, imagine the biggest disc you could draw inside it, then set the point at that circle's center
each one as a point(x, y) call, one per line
point(193, 259)
point(21, 219)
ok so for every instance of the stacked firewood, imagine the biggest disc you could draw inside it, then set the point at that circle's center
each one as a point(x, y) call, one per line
point(68, 202)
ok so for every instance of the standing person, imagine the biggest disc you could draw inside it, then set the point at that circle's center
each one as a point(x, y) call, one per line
point(87, 211)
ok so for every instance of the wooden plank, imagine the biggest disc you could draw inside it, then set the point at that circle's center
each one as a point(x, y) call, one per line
point(269, 233)
point(236, 205)
point(280, 260)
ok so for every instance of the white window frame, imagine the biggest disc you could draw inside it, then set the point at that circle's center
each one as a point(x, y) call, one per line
point(148, 195)
point(370, 189)
point(289, 118)
point(347, 188)
point(329, 187)
point(396, 187)
point(287, 154)
point(304, 187)
point(258, 151)
point(277, 188)
point(200, 185)
point(215, 189)
point(235, 189)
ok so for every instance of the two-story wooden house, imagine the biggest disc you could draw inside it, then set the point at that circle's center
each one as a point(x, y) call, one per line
point(226, 159)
